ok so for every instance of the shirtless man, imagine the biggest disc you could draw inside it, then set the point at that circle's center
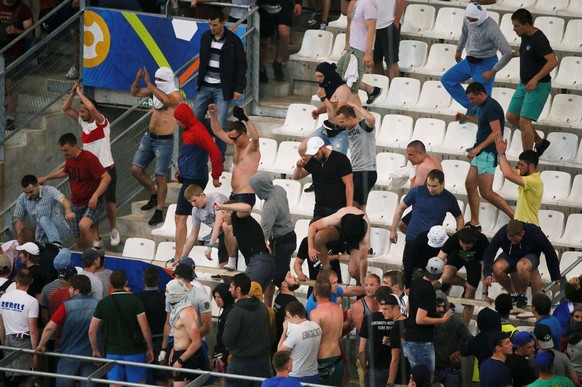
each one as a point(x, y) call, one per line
point(352, 226)
point(423, 163)
point(159, 140)
point(329, 316)
point(334, 93)
point(183, 319)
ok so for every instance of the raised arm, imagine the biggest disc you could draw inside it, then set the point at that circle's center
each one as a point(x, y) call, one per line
point(299, 172)
point(95, 114)
point(243, 208)
point(136, 91)
point(365, 114)
point(171, 99)
point(508, 172)
point(215, 125)
point(67, 105)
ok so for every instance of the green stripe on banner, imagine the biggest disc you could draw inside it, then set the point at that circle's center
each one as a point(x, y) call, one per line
point(147, 39)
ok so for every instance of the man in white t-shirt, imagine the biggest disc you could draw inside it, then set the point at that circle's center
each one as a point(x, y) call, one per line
point(386, 46)
point(19, 324)
point(202, 212)
point(302, 337)
point(96, 138)
point(91, 259)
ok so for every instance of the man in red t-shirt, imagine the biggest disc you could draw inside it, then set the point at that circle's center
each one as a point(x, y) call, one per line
point(88, 181)
point(15, 19)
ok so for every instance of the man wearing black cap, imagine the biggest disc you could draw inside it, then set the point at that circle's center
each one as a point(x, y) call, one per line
point(350, 225)
point(493, 372)
point(91, 258)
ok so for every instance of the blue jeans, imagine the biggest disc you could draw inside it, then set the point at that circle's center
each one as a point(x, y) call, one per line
point(339, 143)
point(205, 96)
point(76, 368)
point(464, 70)
point(54, 230)
point(419, 353)
point(150, 149)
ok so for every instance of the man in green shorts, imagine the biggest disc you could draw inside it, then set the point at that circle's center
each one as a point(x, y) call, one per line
point(536, 61)
point(490, 123)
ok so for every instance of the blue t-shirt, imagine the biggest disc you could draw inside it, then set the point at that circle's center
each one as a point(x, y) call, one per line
point(494, 373)
point(489, 111)
point(279, 381)
point(554, 324)
point(428, 210)
point(311, 303)
point(562, 313)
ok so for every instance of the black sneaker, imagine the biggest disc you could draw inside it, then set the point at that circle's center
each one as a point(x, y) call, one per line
point(314, 18)
point(311, 188)
point(10, 123)
point(323, 25)
point(217, 277)
point(157, 217)
point(278, 69)
point(373, 95)
point(540, 149)
point(521, 301)
point(477, 227)
point(263, 78)
point(151, 203)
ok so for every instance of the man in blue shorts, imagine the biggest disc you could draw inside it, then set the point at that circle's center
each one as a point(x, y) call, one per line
point(521, 245)
point(490, 123)
point(536, 61)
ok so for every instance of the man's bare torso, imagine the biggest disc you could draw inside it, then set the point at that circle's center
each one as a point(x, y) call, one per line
point(163, 121)
point(344, 95)
point(245, 165)
point(422, 170)
point(181, 338)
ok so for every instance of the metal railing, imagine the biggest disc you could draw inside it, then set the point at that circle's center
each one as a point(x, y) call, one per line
point(125, 144)
point(199, 377)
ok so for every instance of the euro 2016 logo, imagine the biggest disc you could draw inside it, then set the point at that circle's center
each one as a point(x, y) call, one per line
point(96, 39)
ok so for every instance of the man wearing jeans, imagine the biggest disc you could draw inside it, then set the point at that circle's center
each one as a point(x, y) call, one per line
point(482, 38)
point(222, 71)
point(39, 203)
point(418, 336)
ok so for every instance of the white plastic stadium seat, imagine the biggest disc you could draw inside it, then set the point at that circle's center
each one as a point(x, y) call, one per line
point(433, 98)
point(458, 138)
point(286, 158)
point(168, 229)
point(431, 131)
point(512, 5)
point(165, 251)
point(298, 121)
point(487, 216)
point(316, 44)
point(565, 110)
point(448, 24)
point(403, 93)
point(553, 27)
point(225, 187)
point(572, 237)
point(510, 73)
point(395, 132)
point(441, 57)
point(396, 250)
point(563, 147)
point(339, 44)
point(305, 205)
point(380, 81)
point(569, 73)
point(381, 207)
point(574, 9)
point(139, 248)
point(575, 197)
point(571, 40)
point(450, 223)
point(380, 243)
point(412, 54)
point(292, 188)
point(301, 229)
point(577, 162)
point(503, 96)
point(418, 18)
point(386, 164)
point(551, 7)
point(506, 28)
point(515, 146)
point(268, 148)
point(556, 186)
point(455, 175)
point(552, 224)
point(567, 259)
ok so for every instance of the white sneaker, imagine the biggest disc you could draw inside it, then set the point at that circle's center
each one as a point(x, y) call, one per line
point(98, 244)
point(73, 73)
point(115, 238)
point(228, 267)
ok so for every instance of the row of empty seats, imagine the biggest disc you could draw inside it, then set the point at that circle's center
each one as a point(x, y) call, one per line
point(553, 7)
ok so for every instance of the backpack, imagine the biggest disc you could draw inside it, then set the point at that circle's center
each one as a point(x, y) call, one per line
point(4, 287)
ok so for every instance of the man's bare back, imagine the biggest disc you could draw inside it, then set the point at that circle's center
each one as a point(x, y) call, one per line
point(342, 96)
point(330, 318)
point(428, 164)
point(245, 164)
point(163, 121)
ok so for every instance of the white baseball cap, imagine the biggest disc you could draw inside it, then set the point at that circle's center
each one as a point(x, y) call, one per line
point(30, 248)
point(313, 145)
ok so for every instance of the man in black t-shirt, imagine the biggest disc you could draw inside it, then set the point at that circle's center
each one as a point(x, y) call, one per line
point(286, 295)
point(425, 246)
point(536, 60)
point(464, 248)
point(422, 317)
point(243, 231)
point(398, 364)
point(332, 177)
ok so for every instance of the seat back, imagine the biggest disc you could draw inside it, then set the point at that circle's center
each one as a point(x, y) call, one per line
point(412, 54)
point(403, 92)
point(431, 131)
point(567, 259)
point(506, 28)
point(396, 131)
point(441, 57)
point(455, 174)
point(448, 23)
point(380, 242)
point(339, 45)
point(552, 26)
point(551, 223)
point(459, 137)
point(418, 18)
point(433, 97)
point(570, 72)
point(316, 44)
point(565, 108)
point(292, 188)
point(487, 215)
point(139, 248)
point(165, 251)
point(268, 151)
point(563, 147)
point(503, 96)
point(571, 39)
point(556, 186)
point(381, 207)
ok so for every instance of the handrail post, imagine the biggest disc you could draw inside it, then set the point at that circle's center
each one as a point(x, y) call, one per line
point(256, 46)
point(2, 108)
point(100, 373)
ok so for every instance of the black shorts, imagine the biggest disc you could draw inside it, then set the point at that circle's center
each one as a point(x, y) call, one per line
point(270, 21)
point(473, 268)
point(387, 45)
point(110, 191)
point(248, 198)
point(406, 218)
point(183, 206)
point(222, 252)
point(364, 181)
point(194, 362)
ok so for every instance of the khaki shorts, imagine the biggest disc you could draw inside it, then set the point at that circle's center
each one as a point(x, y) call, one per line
point(21, 362)
point(342, 66)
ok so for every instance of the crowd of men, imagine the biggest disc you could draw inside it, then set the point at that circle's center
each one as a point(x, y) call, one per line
point(406, 331)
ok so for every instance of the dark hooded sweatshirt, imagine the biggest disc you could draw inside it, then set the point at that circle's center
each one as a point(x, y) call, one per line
point(488, 322)
point(247, 330)
point(276, 218)
point(223, 290)
point(197, 146)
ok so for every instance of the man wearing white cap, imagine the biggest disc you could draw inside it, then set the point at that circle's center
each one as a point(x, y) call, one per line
point(158, 142)
point(332, 175)
point(28, 254)
point(422, 248)
point(481, 38)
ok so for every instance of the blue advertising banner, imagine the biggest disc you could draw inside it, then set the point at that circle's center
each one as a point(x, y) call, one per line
point(118, 43)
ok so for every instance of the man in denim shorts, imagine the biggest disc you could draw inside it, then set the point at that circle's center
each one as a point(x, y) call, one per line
point(490, 123)
point(158, 142)
point(536, 61)
point(88, 181)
